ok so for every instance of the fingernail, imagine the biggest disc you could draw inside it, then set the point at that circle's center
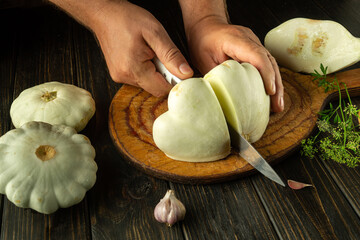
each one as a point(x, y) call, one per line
point(273, 87)
point(281, 102)
point(185, 69)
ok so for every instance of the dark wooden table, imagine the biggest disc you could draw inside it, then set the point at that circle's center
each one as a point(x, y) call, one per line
point(43, 44)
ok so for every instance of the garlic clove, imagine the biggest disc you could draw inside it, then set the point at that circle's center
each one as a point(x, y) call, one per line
point(169, 210)
point(297, 185)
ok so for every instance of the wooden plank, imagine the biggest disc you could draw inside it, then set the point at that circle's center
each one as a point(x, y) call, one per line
point(70, 223)
point(7, 68)
point(347, 13)
point(319, 212)
point(255, 15)
point(224, 211)
point(285, 10)
point(123, 199)
point(343, 177)
point(347, 179)
point(45, 54)
point(263, 15)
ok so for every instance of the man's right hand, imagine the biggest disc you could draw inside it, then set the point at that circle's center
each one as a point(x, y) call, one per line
point(130, 37)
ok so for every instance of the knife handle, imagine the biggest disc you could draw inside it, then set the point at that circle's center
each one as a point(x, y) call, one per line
point(160, 67)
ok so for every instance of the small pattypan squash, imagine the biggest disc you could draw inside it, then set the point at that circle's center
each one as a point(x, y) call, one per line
point(45, 166)
point(54, 103)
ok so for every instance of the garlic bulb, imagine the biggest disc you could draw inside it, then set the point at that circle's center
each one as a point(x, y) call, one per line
point(169, 210)
point(302, 44)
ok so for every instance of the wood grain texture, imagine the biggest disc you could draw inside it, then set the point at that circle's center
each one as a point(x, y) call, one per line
point(346, 13)
point(70, 223)
point(46, 56)
point(7, 70)
point(224, 211)
point(133, 111)
point(347, 179)
point(285, 10)
point(319, 212)
point(122, 201)
point(52, 46)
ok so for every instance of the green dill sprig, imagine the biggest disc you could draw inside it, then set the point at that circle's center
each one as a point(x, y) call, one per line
point(342, 138)
point(322, 79)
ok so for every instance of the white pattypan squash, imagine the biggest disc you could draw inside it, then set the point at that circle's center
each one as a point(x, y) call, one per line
point(54, 103)
point(302, 44)
point(45, 167)
point(241, 93)
point(194, 128)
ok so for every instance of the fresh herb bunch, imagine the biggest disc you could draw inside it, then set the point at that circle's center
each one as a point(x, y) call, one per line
point(342, 138)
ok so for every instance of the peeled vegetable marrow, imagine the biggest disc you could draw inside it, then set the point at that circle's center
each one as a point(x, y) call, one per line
point(241, 93)
point(302, 44)
point(194, 128)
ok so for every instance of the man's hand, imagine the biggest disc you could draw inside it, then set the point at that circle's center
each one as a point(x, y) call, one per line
point(216, 42)
point(212, 40)
point(130, 37)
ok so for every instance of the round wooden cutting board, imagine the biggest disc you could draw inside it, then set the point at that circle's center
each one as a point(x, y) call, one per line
point(133, 111)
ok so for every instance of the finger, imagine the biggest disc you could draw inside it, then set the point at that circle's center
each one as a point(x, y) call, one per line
point(253, 53)
point(152, 81)
point(167, 52)
point(277, 100)
point(277, 103)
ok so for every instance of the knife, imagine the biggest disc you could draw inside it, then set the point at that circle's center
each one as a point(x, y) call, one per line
point(246, 150)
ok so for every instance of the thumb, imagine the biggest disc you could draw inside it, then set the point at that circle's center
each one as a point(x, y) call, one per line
point(160, 42)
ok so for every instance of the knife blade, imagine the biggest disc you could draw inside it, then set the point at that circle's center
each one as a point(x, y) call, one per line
point(252, 156)
point(246, 150)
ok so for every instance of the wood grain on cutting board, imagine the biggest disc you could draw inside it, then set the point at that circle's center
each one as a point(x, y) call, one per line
point(133, 111)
